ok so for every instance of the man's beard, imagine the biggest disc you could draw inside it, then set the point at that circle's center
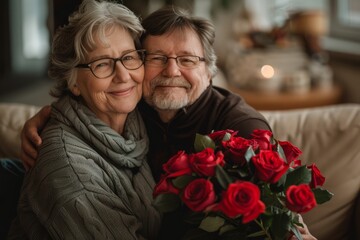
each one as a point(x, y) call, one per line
point(166, 99)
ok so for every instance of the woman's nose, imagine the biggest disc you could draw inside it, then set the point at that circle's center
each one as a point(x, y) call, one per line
point(121, 72)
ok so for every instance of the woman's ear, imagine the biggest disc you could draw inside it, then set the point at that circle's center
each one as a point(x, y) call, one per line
point(75, 90)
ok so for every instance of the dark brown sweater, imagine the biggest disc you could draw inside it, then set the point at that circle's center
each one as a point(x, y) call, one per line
point(216, 109)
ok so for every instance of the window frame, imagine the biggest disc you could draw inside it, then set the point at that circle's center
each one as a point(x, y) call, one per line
point(338, 27)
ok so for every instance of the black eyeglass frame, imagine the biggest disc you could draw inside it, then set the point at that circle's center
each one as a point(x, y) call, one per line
point(141, 53)
point(201, 59)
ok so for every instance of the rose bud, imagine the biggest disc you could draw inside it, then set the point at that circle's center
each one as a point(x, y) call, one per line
point(317, 179)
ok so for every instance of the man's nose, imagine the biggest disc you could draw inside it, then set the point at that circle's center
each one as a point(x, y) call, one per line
point(171, 68)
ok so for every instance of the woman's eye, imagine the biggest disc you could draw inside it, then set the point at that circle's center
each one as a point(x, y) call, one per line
point(128, 57)
point(101, 64)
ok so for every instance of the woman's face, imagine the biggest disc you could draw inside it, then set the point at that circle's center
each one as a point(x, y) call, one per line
point(115, 96)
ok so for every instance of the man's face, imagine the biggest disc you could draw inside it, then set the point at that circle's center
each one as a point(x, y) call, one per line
point(172, 87)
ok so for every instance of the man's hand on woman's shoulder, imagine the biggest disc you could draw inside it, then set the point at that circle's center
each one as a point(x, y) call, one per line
point(30, 136)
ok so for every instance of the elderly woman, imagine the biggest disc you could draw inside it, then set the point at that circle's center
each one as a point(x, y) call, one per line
point(91, 180)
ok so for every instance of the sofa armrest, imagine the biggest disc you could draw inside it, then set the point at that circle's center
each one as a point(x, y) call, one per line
point(12, 119)
point(328, 137)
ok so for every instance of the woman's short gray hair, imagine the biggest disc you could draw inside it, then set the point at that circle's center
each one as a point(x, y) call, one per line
point(74, 40)
point(171, 18)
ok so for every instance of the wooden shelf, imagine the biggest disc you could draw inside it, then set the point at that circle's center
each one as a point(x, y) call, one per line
point(290, 100)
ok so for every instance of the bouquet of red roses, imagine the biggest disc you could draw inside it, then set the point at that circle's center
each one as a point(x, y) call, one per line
point(237, 188)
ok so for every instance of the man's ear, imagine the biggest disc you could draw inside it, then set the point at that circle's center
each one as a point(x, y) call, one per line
point(209, 75)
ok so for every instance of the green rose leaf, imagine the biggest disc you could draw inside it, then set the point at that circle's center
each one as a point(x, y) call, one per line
point(182, 181)
point(279, 186)
point(273, 140)
point(222, 177)
point(281, 225)
point(202, 142)
point(226, 228)
point(298, 176)
point(322, 195)
point(257, 234)
point(212, 224)
point(249, 154)
point(194, 218)
point(296, 232)
point(281, 152)
point(167, 202)
point(226, 137)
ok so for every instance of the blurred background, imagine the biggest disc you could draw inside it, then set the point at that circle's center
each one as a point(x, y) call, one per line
point(277, 54)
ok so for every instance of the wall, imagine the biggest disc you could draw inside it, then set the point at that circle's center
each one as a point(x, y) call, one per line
point(346, 73)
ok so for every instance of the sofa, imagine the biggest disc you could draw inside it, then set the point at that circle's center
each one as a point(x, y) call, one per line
point(328, 136)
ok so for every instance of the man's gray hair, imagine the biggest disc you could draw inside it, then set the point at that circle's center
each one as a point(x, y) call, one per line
point(72, 41)
point(170, 18)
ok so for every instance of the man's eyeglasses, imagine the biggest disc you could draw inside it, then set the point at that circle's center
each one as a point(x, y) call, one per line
point(185, 61)
point(105, 67)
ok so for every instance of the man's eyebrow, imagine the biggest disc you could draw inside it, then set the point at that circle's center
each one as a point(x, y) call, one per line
point(161, 52)
point(156, 52)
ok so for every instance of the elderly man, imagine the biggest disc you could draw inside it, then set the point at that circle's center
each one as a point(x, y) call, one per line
point(178, 97)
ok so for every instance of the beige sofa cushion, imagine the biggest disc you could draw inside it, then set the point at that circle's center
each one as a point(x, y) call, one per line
point(12, 119)
point(329, 137)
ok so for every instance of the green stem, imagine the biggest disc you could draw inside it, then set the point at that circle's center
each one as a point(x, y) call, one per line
point(263, 229)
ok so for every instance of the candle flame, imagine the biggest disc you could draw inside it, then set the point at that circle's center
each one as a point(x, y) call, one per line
point(267, 71)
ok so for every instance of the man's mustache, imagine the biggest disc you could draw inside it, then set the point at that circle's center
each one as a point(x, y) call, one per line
point(174, 82)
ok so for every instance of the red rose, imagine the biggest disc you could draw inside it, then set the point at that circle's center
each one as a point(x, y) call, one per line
point(204, 162)
point(219, 135)
point(317, 179)
point(199, 194)
point(236, 148)
point(263, 138)
point(300, 198)
point(269, 166)
point(291, 152)
point(241, 198)
point(177, 165)
point(165, 186)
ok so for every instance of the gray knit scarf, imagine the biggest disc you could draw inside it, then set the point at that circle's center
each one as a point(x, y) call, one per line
point(126, 150)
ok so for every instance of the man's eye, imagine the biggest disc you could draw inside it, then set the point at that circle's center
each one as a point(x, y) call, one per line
point(184, 60)
point(187, 61)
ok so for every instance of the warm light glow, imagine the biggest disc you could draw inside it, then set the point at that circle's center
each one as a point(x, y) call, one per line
point(267, 71)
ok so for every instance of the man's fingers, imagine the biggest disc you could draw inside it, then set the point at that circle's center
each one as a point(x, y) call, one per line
point(304, 231)
point(45, 112)
point(30, 139)
point(27, 161)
